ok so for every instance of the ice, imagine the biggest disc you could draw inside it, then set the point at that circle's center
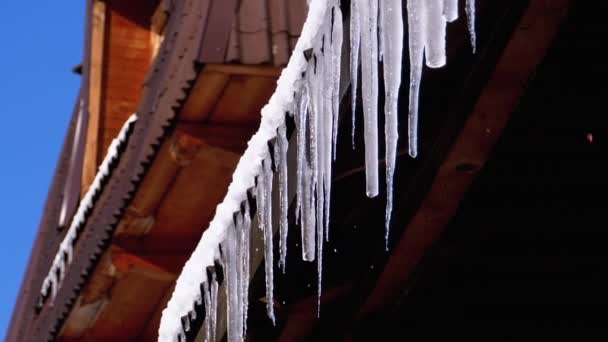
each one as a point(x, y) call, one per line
point(368, 14)
point(213, 316)
point(71, 192)
point(232, 284)
point(301, 122)
point(308, 216)
point(281, 161)
point(335, 68)
point(392, 35)
point(415, 21)
point(245, 251)
point(470, 11)
point(450, 10)
point(210, 289)
point(264, 202)
point(434, 37)
point(355, 41)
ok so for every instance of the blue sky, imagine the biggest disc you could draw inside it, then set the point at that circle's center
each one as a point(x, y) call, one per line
point(41, 42)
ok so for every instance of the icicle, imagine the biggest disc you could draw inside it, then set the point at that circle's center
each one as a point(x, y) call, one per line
point(281, 160)
point(301, 123)
point(246, 249)
point(434, 37)
point(392, 34)
point(450, 10)
point(319, 258)
point(369, 75)
point(268, 233)
point(470, 11)
point(207, 301)
point(233, 306)
point(355, 40)
point(213, 317)
point(308, 218)
point(210, 288)
point(336, 59)
point(416, 48)
point(324, 136)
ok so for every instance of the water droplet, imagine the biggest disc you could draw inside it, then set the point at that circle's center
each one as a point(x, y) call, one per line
point(589, 137)
point(335, 250)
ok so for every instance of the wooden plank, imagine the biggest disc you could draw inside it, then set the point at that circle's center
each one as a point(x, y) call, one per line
point(150, 332)
point(265, 70)
point(204, 95)
point(242, 100)
point(139, 216)
point(197, 190)
point(119, 299)
point(523, 53)
point(227, 137)
point(97, 41)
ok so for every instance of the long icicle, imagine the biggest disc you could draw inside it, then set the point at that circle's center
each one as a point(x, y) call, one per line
point(281, 161)
point(369, 75)
point(268, 233)
point(246, 250)
point(324, 119)
point(355, 42)
point(392, 33)
point(336, 66)
point(416, 49)
point(232, 295)
point(301, 120)
point(470, 11)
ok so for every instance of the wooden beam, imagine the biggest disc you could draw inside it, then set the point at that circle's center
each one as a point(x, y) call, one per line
point(242, 100)
point(523, 53)
point(241, 69)
point(228, 137)
point(204, 95)
point(119, 298)
point(97, 41)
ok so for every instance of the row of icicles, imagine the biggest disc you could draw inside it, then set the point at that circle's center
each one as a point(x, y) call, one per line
point(376, 34)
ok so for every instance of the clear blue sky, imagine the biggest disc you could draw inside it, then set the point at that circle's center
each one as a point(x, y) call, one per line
point(41, 42)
